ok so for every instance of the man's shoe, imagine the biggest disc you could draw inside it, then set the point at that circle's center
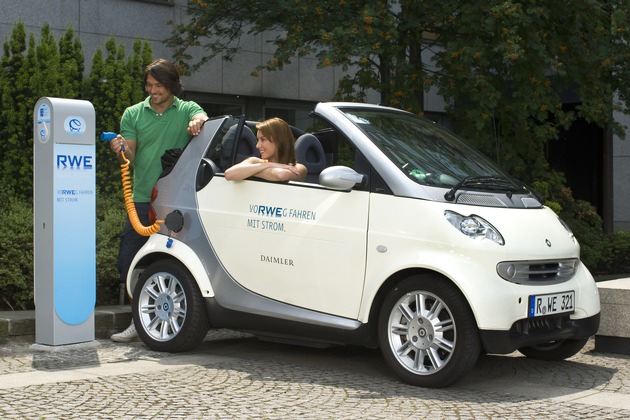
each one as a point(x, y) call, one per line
point(127, 336)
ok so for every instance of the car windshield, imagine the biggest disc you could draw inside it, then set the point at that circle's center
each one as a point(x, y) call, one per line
point(427, 153)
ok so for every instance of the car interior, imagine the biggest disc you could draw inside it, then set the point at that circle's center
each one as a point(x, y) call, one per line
point(317, 151)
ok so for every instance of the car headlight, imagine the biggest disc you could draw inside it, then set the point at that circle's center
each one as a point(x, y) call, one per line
point(474, 227)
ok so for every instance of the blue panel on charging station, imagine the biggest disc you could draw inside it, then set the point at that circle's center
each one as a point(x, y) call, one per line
point(75, 231)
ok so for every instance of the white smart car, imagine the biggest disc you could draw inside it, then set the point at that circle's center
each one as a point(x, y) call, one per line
point(402, 237)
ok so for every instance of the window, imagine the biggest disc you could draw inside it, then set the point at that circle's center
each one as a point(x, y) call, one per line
point(296, 115)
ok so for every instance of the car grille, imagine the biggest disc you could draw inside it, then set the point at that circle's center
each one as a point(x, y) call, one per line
point(488, 200)
point(480, 200)
point(540, 325)
point(538, 272)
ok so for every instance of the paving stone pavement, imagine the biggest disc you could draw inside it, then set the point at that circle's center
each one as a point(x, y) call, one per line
point(234, 375)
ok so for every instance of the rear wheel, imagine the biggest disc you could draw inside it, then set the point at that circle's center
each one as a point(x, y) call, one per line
point(168, 309)
point(554, 350)
point(427, 332)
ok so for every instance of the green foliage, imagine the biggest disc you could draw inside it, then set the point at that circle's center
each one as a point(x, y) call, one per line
point(71, 65)
point(508, 64)
point(487, 53)
point(615, 254)
point(377, 43)
point(110, 218)
point(601, 253)
point(31, 70)
point(16, 258)
point(49, 68)
point(504, 66)
point(16, 113)
point(114, 83)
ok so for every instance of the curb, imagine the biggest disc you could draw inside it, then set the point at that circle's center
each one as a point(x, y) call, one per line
point(20, 325)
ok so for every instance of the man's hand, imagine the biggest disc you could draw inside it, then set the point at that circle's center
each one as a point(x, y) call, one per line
point(194, 126)
point(118, 144)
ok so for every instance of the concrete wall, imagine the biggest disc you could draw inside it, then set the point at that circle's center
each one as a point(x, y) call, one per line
point(94, 20)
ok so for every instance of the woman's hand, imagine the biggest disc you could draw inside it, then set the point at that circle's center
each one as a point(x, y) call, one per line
point(289, 168)
point(283, 172)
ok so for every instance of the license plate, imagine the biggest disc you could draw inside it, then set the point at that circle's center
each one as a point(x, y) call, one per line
point(551, 304)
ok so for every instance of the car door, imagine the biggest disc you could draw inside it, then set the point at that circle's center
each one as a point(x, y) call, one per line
point(297, 243)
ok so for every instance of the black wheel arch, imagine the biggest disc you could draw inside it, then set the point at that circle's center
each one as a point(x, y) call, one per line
point(390, 283)
point(146, 261)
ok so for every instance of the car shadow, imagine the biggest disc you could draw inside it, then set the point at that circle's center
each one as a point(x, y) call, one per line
point(495, 378)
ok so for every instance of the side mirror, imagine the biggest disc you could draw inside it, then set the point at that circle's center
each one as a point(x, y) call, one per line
point(340, 178)
point(205, 172)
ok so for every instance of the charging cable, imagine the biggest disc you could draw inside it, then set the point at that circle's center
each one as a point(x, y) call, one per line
point(127, 193)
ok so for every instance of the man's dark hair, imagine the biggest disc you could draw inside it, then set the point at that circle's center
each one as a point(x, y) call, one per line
point(166, 73)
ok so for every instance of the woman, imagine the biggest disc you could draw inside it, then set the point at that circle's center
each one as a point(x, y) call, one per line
point(277, 155)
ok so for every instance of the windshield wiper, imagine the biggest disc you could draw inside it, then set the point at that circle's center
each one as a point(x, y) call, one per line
point(485, 183)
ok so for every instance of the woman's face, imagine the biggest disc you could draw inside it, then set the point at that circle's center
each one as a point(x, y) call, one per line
point(266, 147)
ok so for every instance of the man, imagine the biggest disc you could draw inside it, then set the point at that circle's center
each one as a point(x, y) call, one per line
point(147, 129)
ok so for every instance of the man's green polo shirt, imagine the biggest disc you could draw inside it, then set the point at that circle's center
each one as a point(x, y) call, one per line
point(154, 134)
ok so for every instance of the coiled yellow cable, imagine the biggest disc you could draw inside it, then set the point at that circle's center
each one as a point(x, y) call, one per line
point(130, 206)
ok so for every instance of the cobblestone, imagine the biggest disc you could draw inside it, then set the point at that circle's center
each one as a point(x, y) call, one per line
point(233, 375)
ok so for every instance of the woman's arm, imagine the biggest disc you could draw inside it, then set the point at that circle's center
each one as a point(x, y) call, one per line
point(269, 171)
point(249, 167)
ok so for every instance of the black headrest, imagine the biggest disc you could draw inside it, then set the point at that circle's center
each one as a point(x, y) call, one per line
point(246, 145)
point(310, 153)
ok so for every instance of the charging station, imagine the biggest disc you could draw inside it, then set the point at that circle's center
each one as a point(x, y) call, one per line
point(64, 201)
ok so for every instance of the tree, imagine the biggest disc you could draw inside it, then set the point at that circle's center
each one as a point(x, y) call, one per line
point(28, 71)
point(16, 112)
point(31, 70)
point(12, 62)
point(71, 65)
point(27, 74)
point(378, 43)
point(114, 83)
point(505, 64)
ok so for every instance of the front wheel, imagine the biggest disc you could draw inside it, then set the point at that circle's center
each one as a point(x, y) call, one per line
point(168, 309)
point(554, 350)
point(427, 332)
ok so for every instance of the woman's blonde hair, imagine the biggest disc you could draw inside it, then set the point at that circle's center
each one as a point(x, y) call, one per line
point(278, 131)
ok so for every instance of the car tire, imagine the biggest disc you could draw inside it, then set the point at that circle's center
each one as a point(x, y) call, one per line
point(427, 332)
point(168, 309)
point(555, 350)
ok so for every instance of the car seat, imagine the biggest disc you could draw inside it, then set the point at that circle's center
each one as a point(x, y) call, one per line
point(310, 153)
point(246, 145)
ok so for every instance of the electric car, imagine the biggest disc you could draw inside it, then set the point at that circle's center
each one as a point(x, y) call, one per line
point(401, 237)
